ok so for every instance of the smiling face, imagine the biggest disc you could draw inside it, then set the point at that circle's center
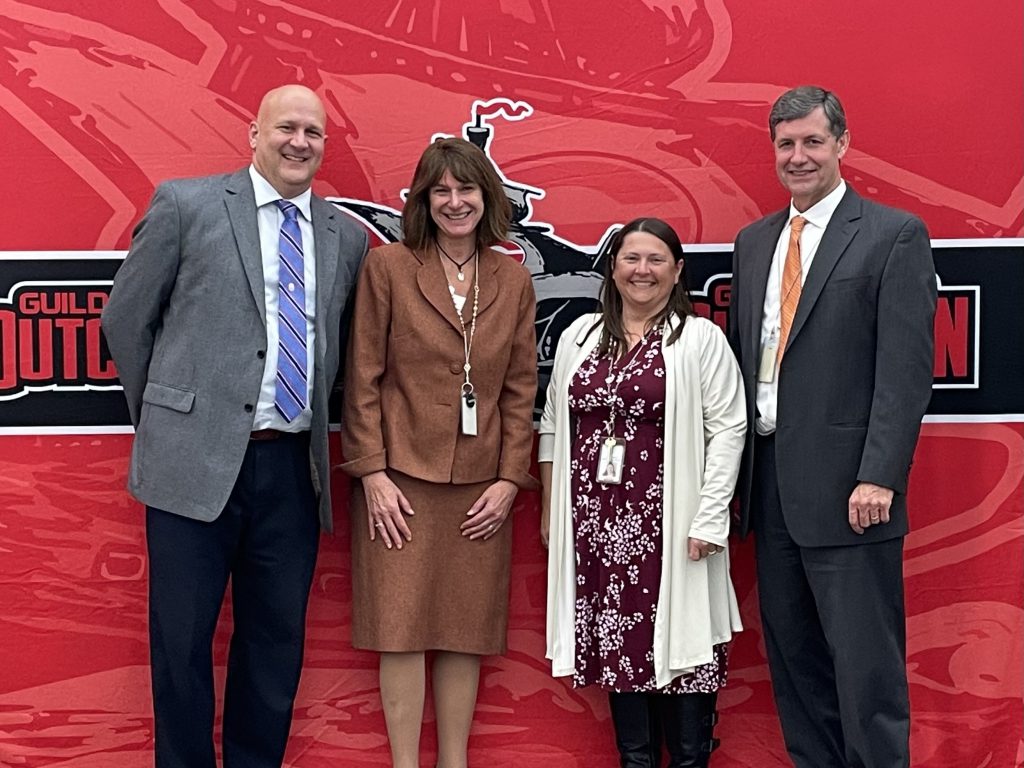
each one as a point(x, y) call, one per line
point(456, 208)
point(807, 157)
point(287, 139)
point(645, 273)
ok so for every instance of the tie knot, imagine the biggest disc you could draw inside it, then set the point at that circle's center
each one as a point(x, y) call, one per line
point(797, 225)
point(290, 210)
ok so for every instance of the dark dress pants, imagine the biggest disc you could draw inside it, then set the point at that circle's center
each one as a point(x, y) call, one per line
point(266, 541)
point(835, 634)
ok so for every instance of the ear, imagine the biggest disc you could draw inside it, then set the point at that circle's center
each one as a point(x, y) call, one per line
point(679, 269)
point(844, 143)
point(254, 131)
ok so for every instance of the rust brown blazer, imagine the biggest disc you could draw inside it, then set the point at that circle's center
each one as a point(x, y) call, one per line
point(405, 370)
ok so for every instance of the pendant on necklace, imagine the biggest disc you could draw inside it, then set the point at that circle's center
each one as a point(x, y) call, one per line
point(462, 277)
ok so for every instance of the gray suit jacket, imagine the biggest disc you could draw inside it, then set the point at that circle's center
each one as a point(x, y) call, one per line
point(856, 377)
point(187, 330)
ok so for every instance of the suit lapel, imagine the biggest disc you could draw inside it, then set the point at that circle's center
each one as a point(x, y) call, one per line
point(326, 236)
point(760, 271)
point(241, 204)
point(488, 278)
point(433, 285)
point(840, 231)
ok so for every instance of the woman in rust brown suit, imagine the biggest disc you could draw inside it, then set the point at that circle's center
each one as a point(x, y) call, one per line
point(440, 385)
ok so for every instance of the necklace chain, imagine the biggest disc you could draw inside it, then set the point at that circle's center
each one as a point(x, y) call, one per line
point(467, 339)
point(458, 265)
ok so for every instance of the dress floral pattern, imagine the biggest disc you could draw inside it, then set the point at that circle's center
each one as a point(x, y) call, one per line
point(617, 527)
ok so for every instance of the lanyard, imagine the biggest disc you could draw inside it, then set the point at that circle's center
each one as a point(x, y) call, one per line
point(467, 338)
point(613, 394)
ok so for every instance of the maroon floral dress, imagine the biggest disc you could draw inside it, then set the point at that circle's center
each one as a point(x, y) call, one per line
point(617, 528)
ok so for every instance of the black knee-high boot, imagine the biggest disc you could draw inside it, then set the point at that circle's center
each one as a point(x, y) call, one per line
point(688, 721)
point(637, 731)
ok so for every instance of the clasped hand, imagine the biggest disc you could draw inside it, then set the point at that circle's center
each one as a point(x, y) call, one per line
point(386, 508)
point(869, 505)
point(698, 549)
point(488, 514)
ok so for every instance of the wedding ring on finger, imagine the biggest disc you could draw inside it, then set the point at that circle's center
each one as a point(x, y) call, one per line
point(379, 524)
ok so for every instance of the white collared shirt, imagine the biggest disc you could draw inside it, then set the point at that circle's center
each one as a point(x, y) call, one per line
point(269, 218)
point(818, 217)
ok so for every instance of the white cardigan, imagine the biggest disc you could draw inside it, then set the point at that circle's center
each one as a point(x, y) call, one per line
point(705, 426)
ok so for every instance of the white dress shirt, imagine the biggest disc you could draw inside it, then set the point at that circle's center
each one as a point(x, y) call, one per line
point(818, 217)
point(269, 218)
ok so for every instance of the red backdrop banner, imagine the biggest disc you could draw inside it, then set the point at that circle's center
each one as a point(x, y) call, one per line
point(594, 112)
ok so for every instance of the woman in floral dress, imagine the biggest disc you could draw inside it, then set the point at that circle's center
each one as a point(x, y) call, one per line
point(640, 446)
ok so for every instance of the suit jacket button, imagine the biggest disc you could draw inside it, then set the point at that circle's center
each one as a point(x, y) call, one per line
point(261, 354)
point(248, 407)
point(455, 367)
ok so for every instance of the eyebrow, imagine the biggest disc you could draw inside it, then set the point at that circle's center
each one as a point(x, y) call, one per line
point(804, 136)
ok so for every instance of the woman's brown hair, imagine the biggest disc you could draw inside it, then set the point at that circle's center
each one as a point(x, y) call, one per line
point(613, 334)
point(469, 165)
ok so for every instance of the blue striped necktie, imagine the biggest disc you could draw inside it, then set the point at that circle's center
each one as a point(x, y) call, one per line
point(290, 395)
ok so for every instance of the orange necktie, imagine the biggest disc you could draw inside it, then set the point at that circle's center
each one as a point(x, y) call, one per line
point(791, 273)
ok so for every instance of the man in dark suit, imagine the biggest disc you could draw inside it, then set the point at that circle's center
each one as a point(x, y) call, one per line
point(832, 315)
point(225, 322)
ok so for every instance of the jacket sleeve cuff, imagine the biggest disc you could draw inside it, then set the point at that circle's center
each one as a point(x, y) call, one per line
point(877, 475)
point(375, 462)
point(523, 480)
point(546, 447)
point(717, 537)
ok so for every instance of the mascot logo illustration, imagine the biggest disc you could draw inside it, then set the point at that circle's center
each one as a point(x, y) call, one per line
point(566, 276)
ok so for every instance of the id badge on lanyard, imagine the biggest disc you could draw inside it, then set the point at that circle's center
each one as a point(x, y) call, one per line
point(769, 354)
point(468, 400)
point(610, 460)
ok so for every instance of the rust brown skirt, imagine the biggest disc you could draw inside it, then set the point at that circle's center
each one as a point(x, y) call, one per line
point(441, 591)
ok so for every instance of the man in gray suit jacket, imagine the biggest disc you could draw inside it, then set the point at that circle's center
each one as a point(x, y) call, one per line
point(832, 320)
point(225, 323)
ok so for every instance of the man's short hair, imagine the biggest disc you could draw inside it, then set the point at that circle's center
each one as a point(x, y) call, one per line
point(800, 102)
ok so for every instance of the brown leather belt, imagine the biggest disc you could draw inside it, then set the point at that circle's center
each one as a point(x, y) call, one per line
point(260, 435)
